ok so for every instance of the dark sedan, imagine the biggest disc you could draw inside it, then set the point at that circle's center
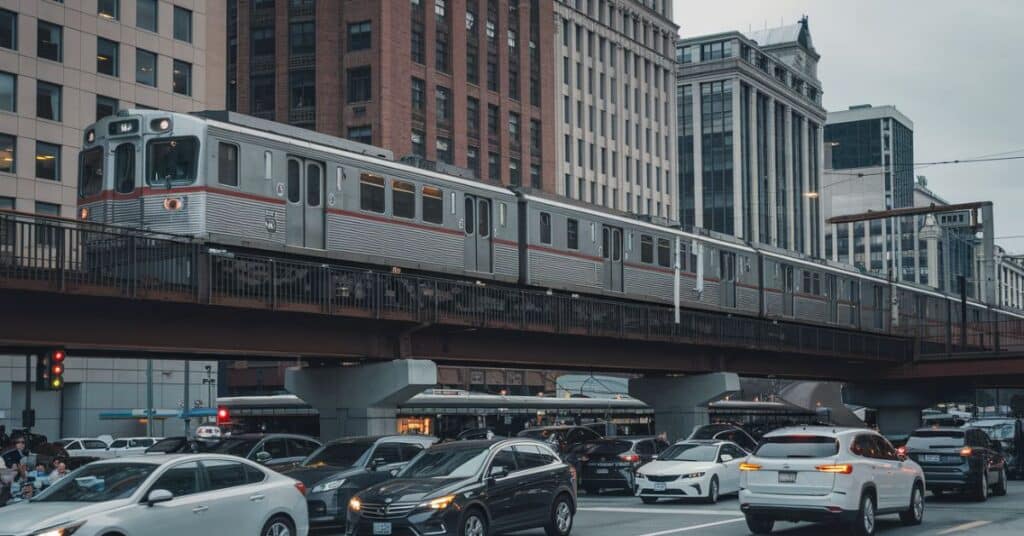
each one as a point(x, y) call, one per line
point(961, 460)
point(563, 438)
point(276, 451)
point(471, 488)
point(342, 467)
point(611, 463)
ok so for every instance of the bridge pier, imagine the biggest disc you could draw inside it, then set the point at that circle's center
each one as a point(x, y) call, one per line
point(681, 402)
point(363, 399)
point(898, 405)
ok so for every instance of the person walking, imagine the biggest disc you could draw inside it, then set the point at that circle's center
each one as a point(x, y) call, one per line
point(14, 457)
point(4, 438)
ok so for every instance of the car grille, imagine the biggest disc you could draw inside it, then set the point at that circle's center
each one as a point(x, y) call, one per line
point(317, 507)
point(662, 478)
point(386, 511)
point(395, 531)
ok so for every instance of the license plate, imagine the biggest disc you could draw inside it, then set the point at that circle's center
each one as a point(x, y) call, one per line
point(787, 477)
point(659, 486)
point(382, 529)
point(931, 458)
point(601, 471)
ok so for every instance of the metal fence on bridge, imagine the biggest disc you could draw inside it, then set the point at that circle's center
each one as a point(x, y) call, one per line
point(56, 255)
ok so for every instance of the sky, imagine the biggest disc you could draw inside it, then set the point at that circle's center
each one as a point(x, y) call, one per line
point(955, 68)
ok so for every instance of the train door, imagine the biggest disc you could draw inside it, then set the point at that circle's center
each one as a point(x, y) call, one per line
point(728, 280)
point(879, 310)
point(832, 295)
point(611, 251)
point(478, 230)
point(855, 303)
point(788, 284)
point(305, 209)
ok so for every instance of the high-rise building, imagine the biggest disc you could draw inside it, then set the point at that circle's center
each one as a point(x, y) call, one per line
point(750, 136)
point(614, 106)
point(458, 85)
point(64, 65)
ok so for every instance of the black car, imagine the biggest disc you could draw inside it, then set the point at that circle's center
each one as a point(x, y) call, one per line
point(471, 488)
point(1009, 432)
point(962, 460)
point(725, 432)
point(611, 463)
point(339, 469)
point(182, 445)
point(563, 438)
point(276, 451)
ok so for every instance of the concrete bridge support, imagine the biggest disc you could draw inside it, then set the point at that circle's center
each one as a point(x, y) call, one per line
point(363, 399)
point(899, 404)
point(681, 402)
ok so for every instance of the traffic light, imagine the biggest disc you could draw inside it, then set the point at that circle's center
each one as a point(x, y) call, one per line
point(50, 370)
point(223, 417)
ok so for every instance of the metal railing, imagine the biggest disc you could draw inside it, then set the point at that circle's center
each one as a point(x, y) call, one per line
point(56, 255)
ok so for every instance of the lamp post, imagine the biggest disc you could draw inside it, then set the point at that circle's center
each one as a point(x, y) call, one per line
point(209, 381)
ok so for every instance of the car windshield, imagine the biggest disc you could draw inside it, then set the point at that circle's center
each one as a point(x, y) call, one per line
point(1001, 431)
point(344, 454)
point(689, 452)
point(98, 483)
point(171, 444)
point(236, 447)
point(936, 439)
point(798, 446)
point(446, 463)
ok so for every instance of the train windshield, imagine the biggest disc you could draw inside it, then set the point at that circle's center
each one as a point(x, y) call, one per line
point(91, 172)
point(172, 162)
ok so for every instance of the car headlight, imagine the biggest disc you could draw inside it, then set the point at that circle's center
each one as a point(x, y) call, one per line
point(355, 504)
point(694, 475)
point(330, 485)
point(439, 503)
point(64, 529)
point(641, 476)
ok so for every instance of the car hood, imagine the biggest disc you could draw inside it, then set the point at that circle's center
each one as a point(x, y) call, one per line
point(410, 490)
point(26, 517)
point(668, 467)
point(311, 476)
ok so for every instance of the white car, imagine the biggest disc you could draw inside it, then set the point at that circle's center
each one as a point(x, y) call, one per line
point(165, 495)
point(131, 446)
point(692, 468)
point(814, 473)
point(85, 447)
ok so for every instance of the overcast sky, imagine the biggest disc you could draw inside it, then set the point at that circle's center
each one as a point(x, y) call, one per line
point(954, 67)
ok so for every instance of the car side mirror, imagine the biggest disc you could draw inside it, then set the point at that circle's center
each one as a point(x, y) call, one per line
point(377, 462)
point(726, 458)
point(263, 456)
point(158, 496)
point(498, 471)
point(394, 472)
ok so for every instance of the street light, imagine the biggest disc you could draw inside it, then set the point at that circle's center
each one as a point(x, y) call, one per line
point(209, 382)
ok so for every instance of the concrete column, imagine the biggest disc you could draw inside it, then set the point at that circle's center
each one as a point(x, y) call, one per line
point(790, 167)
point(698, 157)
point(773, 209)
point(805, 187)
point(738, 215)
point(755, 173)
point(363, 399)
point(899, 405)
point(680, 402)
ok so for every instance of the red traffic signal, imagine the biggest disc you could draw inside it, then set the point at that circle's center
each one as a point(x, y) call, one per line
point(58, 356)
point(223, 416)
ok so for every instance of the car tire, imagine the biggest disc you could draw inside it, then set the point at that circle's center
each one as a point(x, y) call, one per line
point(278, 526)
point(760, 525)
point(981, 489)
point(864, 524)
point(915, 514)
point(560, 521)
point(649, 500)
point(999, 489)
point(473, 523)
point(713, 491)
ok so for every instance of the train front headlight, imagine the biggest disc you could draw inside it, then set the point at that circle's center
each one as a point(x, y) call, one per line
point(174, 204)
point(162, 124)
point(83, 213)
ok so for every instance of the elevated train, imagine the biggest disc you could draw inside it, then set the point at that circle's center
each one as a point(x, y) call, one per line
point(234, 180)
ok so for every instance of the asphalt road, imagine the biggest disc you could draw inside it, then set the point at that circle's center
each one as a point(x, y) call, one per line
point(623, 515)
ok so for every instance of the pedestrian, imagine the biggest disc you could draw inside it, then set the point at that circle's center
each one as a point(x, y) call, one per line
point(4, 438)
point(60, 470)
point(14, 457)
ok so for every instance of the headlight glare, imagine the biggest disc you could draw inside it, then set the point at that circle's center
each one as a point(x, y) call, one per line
point(65, 529)
point(694, 475)
point(439, 503)
point(355, 504)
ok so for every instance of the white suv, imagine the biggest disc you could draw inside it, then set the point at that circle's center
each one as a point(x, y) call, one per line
point(818, 473)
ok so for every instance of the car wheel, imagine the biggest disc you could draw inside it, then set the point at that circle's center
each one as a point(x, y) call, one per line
point(279, 526)
point(560, 523)
point(981, 491)
point(712, 497)
point(915, 514)
point(760, 525)
point(864, 525)
point(999, 489)
point(649, 500)
point(473, 524)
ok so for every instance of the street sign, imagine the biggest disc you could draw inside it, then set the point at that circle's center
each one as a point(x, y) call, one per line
point(957, 218)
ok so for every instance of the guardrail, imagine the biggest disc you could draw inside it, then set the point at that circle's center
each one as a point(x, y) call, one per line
point(51, 254)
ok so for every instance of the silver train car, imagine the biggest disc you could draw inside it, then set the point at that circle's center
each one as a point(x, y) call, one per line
point(234, 180)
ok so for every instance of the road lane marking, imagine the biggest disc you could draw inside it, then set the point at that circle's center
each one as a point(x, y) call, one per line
point(965, 527)
point(694, 527)
point(680, 511)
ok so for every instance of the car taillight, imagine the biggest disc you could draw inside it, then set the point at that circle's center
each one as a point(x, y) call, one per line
point(841, 468)
point(749, 467)
point(631, 458)
point(301, 487)
point(966, 451)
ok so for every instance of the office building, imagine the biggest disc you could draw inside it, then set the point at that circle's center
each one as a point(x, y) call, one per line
point(750, 136)
point(462, 86)
point(614, 111)
point(1009, 279)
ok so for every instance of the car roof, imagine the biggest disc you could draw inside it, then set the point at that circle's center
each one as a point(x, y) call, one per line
point(703, 442)
point(401, 438)
point(944, 428)
point(261, 435)
point(829, 431)
point(160, 459)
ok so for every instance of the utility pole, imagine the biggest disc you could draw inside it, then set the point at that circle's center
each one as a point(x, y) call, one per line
point(149, 398)
point(28, 416)
point(186, 404)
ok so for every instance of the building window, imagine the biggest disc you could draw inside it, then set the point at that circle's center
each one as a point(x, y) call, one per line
point(263, 42)
point(109, 9)
point(534, 136)
point(145, 67)
point(263, 94)
point(146, 14)
point(418, 54)
point(361, 134)
point(513, 128)
point(182, 24)
point(50, 41)
point(419, 90)
point(227, 164)
point(419, 146)
point(182, 79)
point(443, 101)
point(514, 173)
point(48, 101)
point(301, 38)
point(359, 84)
point(444, 150)
point(8, 146)
point(105, 106)
point(8, 29)
point(494, 166)
point(302, 89)
point(47, 161)
point(473, 116)
point(107, 57)
point(473, 159)
point(716, 51)
point(8, 92)
point(545, 228)
point(492, 120)
point(359, 35)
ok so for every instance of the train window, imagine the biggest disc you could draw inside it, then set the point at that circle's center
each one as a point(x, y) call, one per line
point(314, 184)
point(646, 249)
point(371, 193)
point(227, 164)
point(294, 184)
point(606, 249)
point(90, 176)
point(816, 284)
point(172, 161)
point(545, 228)
point(403, 199)
point(806, 281)
point(433, 205)
point(484, 212)
point(502, 214)
point(682, 257)
point(339, 173)
point(664, 252)
point(617, 246)
point(593, 236)
point(572, 233)
point(124, 168)
point(469, 217)
point(268, 165)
